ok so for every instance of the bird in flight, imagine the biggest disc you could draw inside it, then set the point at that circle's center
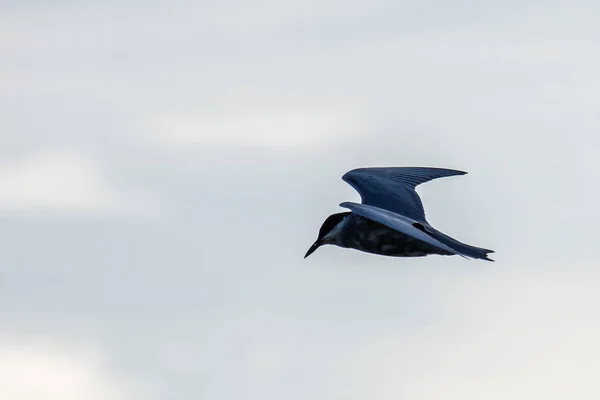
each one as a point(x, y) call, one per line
point(390, 220)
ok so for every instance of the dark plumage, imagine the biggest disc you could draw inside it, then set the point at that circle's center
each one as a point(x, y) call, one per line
point(391, 219)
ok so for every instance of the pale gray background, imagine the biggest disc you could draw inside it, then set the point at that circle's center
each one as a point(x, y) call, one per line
point(164, 169)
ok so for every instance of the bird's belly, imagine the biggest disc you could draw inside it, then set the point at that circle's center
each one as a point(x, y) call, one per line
point(375, 238)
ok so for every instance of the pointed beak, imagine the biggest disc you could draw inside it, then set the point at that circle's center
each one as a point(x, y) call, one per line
point(312, 249)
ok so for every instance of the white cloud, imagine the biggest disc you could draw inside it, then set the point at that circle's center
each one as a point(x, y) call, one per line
point(494, 338)
point(517, 364)
point(267, 16)
point(64, 181)
point(268, 126)
point(34, 370)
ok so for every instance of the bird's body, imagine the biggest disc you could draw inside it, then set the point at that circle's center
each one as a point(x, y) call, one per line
point(391, 220)
point(365, 235)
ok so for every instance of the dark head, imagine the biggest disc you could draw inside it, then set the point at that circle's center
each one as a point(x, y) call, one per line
point(327, 227)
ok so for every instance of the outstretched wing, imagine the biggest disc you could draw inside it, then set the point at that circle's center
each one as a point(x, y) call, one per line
point(397, 222)
point(393, 188)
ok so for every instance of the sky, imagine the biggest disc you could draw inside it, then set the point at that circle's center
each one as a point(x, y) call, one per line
point(164, 168)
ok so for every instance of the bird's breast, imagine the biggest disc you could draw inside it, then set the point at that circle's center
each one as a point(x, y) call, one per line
point(373, 237)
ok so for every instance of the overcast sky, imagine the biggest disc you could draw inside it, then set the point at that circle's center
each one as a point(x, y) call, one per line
point(163, 170)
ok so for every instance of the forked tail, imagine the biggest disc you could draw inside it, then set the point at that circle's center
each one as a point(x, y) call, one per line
point(465, 249)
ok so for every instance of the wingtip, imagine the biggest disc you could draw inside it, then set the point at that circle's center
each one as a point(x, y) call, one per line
point(454, 171)
point(346, 204)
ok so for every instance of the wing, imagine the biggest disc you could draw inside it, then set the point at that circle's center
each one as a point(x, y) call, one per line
point(393, 188)
point(397, 222)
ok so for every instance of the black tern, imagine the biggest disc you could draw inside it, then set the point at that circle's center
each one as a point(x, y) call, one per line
point(390, 220)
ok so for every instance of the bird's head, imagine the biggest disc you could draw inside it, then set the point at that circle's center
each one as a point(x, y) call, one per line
point(329, 231)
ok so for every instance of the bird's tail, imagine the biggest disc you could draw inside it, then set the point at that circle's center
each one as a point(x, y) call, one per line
point(465, 249)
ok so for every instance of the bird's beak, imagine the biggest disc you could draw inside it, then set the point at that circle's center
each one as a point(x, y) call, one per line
point(314, 247)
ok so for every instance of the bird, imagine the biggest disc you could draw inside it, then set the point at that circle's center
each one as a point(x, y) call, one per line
point(390, 220)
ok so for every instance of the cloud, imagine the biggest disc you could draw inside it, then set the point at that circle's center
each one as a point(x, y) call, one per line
point(33, 370)
point(274, 126)
point(492, 338)
point(60, 181)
